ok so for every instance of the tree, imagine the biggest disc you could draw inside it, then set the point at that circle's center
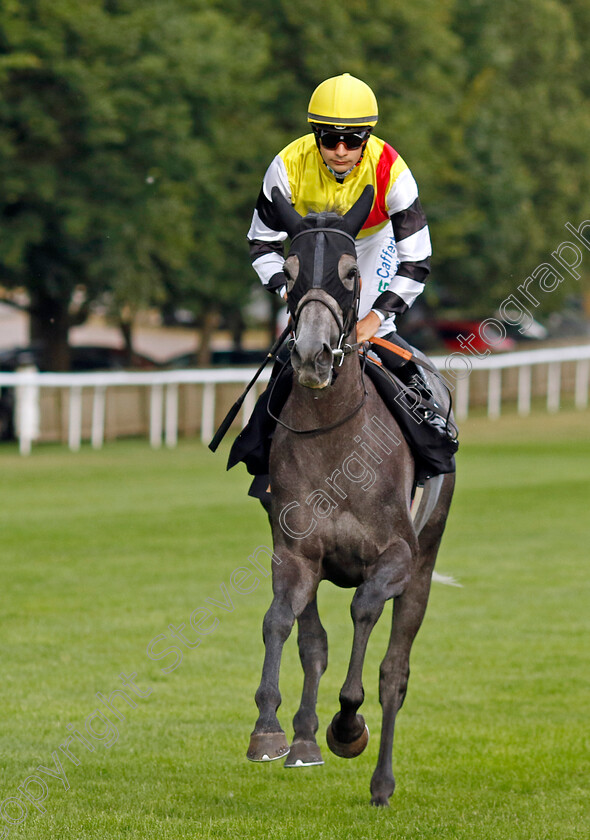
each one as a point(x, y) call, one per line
point(114, 172)
point(486, 101)
point(134, 135)
point(411, 57)
point(526, 128)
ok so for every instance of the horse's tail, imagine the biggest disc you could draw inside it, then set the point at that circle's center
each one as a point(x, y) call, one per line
point(447, 580)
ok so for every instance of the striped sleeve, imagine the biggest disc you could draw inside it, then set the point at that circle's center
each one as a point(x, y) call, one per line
point(412, 238)
point(265, 235)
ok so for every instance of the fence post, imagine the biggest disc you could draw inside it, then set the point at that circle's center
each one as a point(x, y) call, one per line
point(524, 389)
point(171, 415)
point(208, 412)
point(27, 410)
point(462, 398)
point(156, 406)
point(494, 393)
point(75, 418)
point(553, 386)
point(98, 416)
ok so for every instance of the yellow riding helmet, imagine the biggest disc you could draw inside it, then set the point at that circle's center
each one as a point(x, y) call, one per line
point(343, 101)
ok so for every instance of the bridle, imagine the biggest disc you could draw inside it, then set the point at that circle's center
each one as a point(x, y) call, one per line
point(319, 429)
point(342, 349)
point(345, 326)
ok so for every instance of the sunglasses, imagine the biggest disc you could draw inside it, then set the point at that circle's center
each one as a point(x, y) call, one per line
point(352, 140)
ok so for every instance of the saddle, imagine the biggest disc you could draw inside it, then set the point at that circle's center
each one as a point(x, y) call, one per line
point(433, 446)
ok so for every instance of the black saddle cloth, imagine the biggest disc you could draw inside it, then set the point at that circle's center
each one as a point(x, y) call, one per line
point(252, 445)
point(433, 448)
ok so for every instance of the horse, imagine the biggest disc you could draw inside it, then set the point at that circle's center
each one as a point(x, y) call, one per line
point(342, 480)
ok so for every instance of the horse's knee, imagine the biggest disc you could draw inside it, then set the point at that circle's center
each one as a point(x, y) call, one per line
point(278, 621)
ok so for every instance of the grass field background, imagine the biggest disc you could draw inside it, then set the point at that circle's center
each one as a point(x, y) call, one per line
point(101, 551)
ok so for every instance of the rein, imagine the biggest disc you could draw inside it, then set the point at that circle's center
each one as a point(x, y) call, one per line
point(344, 328)
point(319, 429)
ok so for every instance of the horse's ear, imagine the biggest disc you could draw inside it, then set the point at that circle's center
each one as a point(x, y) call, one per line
point(288, 216)
point(359, 212)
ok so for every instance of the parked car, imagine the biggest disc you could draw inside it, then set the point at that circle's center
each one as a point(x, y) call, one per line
point(465, 335)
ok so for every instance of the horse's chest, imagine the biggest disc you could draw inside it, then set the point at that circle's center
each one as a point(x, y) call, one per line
point(349, 548)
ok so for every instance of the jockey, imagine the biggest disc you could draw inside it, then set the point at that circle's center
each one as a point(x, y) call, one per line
point(328, 169)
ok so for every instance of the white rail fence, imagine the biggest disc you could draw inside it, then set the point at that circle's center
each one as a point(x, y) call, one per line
point(162, 392)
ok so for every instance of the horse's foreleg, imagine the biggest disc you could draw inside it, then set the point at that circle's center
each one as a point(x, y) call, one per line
point(348, 735)
point(294, 587)
point(313, 652)
point(268, 740)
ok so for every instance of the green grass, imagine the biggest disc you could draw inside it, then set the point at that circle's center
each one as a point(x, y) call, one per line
point(101, 551)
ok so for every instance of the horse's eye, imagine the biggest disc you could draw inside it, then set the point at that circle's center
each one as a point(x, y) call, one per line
point(290, 280)
point(291, 270)
point(350, 278)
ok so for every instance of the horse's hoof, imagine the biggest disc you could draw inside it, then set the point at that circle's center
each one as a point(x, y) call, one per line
point(267, 746)
point(351, 749)
point(304, 754)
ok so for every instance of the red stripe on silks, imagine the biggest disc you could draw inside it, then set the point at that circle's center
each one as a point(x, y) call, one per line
point(382, 174)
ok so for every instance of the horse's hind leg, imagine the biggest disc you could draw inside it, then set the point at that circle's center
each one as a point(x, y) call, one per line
point(408, 613)
point(313, 652)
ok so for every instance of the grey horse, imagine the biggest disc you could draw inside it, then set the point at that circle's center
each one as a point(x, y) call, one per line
point(342, 480)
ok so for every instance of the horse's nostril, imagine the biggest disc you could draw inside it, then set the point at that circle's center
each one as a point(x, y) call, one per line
point(324, 357)
point(316, 358)
point(295, 357)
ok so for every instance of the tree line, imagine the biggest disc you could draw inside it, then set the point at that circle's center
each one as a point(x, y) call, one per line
point(134, 135)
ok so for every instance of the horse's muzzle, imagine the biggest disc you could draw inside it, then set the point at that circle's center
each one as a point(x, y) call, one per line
point(312, 365)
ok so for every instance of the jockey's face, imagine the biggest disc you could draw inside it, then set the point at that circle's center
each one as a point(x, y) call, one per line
point(341, 159)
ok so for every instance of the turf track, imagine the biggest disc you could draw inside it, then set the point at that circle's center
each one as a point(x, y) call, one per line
point(100, 552)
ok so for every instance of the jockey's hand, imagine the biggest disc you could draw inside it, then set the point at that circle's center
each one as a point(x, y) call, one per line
point(367, 327)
